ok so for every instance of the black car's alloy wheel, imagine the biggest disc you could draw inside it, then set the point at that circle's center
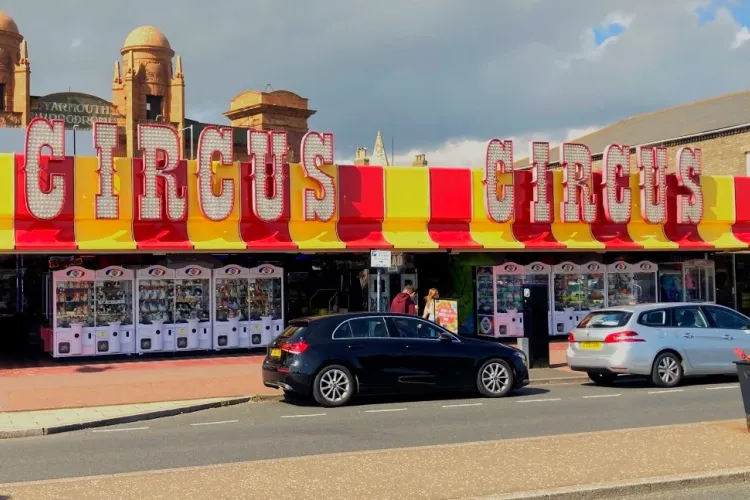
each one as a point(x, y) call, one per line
point(334, 386)
point(495, 378)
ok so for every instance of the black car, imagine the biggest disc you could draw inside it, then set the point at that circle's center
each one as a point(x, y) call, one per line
point(334, 357)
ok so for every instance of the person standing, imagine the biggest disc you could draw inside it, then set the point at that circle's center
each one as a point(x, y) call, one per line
point(429, 304)
point(405, 302)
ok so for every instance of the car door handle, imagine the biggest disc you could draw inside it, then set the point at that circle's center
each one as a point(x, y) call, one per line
point(728, 337)
point(688, 335)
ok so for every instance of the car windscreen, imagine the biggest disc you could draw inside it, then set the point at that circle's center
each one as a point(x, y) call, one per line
point(605, 319)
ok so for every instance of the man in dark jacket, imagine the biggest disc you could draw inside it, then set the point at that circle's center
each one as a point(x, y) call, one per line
point(405, 302)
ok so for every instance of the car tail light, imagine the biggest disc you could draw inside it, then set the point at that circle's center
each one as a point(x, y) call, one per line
point(571, 338)
point(295, 347)
point(619, 337)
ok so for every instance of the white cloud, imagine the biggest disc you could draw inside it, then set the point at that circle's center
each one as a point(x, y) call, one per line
point(742, 36)
point(591, 50)
point(471, 152)
point(77, 42)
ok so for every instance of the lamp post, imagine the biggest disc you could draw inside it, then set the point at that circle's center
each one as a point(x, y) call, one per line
point(192, 144)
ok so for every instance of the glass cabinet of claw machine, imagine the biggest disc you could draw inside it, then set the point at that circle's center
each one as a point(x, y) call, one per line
point(266, 304)
point(699, 280)
point(192, 308)
point(154, 330)
point(569, 296)
point(74, 314)
point(485, 301)
point(115, 331)
point(631, 284)
point(231, 307)
point(594, 289)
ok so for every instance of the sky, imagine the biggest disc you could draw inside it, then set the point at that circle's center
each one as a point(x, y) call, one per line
point(438, 77)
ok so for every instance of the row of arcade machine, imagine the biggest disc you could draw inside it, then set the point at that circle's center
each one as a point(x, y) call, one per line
point(575, 290)
point(160, 309)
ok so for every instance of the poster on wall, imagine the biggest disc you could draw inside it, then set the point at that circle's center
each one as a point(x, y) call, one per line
point(446, 314)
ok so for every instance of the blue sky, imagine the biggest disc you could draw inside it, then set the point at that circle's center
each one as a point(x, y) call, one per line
point(740, 9)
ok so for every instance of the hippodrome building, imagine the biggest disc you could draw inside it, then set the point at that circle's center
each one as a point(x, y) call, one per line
point(82, 275)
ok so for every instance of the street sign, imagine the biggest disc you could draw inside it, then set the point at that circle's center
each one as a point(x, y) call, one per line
point(380, 258)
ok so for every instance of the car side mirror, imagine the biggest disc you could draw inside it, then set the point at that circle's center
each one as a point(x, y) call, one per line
point(444, 337)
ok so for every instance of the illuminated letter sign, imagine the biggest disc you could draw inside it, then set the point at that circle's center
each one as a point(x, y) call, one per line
point(215, 207)
point(152, 140)
point(42, 133)
point(317, 150)
point(499, 160)
point(267, 151)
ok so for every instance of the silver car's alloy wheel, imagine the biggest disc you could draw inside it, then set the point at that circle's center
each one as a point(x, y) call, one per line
point(335, 385)
point(668, 370)
point(495, 378)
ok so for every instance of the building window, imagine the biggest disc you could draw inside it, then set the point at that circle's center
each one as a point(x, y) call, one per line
point(2, 97)
point(153, 107)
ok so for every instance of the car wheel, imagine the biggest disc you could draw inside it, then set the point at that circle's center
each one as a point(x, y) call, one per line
point(334, 386)
point(495, 378)
point(602, 378)
point(667, 370)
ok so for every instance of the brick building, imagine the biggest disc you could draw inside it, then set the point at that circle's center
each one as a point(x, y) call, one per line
point(720, 126)
point(148, 85)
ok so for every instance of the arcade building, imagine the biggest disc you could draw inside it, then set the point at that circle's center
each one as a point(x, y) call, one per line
point(135, 252)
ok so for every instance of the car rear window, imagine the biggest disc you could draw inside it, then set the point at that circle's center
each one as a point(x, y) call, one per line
point(293, 329)
point(605, 319)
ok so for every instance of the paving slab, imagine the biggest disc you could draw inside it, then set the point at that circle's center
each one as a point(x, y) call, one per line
point(458, 471)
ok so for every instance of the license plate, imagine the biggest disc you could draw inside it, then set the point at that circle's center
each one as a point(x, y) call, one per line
point(591, 346)
point(276, 353)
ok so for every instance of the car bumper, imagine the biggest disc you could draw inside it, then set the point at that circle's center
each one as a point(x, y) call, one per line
point(522, 375)
point(287, 381)
point(623, 359)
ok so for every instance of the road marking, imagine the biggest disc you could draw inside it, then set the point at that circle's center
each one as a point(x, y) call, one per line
point(539, 400)
point(462, 405)
point(215, 423)
point(722, 387)
point(121, 430)
point(602, 396)
point(385, 410)
point(667, 391)
point(305, 415)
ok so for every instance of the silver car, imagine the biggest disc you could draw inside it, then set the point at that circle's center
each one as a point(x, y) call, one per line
point(665, 342)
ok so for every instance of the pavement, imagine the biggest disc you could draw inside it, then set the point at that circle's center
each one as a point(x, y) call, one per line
point(483, 469)
point(38, 423)
point(47, 384)
point(739, 491)
point(278, 429)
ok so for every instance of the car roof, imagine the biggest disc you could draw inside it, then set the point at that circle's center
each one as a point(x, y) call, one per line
point(350, 315)
point(655, 305)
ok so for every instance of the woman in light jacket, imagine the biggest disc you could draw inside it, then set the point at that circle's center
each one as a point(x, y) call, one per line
point(429, 304)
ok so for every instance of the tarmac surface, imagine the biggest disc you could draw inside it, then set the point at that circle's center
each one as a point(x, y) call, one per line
point(258, 431)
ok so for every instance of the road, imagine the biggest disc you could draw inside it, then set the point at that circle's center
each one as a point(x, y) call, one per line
point(731, 492)
point(279, 429)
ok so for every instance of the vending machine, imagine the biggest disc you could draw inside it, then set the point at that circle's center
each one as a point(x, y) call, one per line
point(192, 308)
point(154, 330)
point(231, 307)
point(115, 318)
point(74, 313)
point(266, 304)
point(568, 297)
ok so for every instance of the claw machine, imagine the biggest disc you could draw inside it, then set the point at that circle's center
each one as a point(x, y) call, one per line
point(154, 329)
point(115, 330)
point(631, 284)
point(192, 308)
point(568, 290)
point(485, 301)
point(74, 313)
point(231, 307)
point(508, 279)
point(266, 304)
